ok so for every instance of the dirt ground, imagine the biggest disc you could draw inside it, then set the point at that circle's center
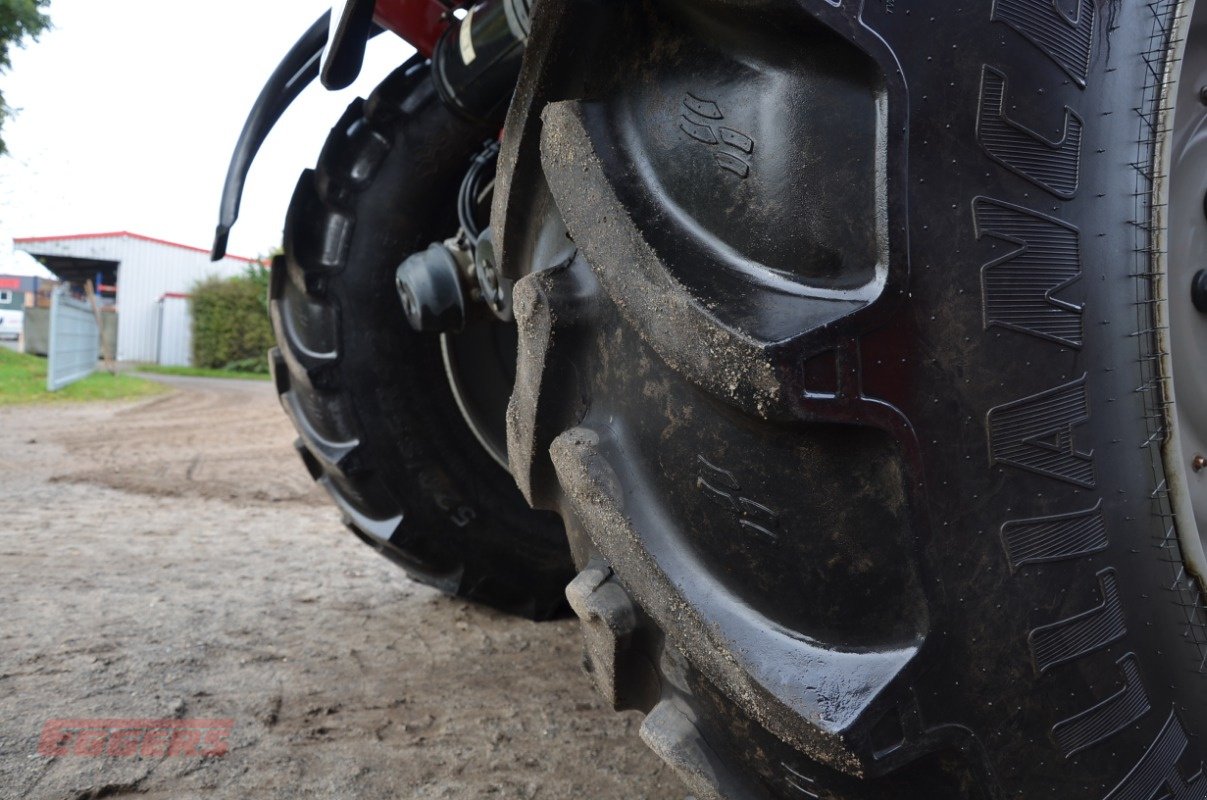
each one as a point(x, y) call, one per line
point(171, 559)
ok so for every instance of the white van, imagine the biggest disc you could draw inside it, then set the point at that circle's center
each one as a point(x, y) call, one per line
point(12, 322)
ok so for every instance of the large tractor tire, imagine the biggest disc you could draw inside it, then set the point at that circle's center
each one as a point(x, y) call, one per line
point(856, 386)
point(372, 400)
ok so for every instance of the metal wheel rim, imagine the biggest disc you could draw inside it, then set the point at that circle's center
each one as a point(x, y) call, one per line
point(1183, 157)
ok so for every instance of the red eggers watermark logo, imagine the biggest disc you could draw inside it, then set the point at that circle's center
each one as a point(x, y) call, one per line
point(149, 738)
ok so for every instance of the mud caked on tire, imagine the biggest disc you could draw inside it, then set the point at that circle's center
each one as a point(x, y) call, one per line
point(379, 427)
point(853, 392)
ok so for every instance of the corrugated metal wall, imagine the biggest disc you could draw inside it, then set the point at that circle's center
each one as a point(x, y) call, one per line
point(148, 270)
point(175, 332)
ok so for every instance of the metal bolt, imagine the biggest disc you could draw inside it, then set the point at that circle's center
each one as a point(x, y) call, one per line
point(1203, 95)
point(1198, 291)
point(494, 291)
point(1198, 463)
point(489, 278)
point(409, 306)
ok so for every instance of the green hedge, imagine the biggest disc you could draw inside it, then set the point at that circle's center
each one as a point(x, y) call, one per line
point(231, 329)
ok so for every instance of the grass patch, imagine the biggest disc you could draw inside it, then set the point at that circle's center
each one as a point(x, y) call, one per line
point(204, 372)
point(23, 380)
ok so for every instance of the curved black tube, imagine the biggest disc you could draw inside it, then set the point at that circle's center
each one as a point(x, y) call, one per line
point(295, 72)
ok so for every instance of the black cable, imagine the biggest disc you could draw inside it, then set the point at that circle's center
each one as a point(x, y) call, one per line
point(480, 173)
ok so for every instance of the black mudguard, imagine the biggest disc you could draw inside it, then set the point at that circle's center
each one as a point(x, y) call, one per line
point(295, 72)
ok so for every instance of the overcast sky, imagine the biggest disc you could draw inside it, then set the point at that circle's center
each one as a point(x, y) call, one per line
point(129, 110)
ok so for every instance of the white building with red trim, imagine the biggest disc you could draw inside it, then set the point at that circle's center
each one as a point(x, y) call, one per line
point(137, 272)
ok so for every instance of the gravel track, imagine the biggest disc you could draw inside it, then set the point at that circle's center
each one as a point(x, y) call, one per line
point(172, 559)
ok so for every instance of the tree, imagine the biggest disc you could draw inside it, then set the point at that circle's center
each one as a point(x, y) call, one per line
point(19, 19)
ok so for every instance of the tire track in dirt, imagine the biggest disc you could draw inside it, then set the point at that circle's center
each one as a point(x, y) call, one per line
point(171, 559)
